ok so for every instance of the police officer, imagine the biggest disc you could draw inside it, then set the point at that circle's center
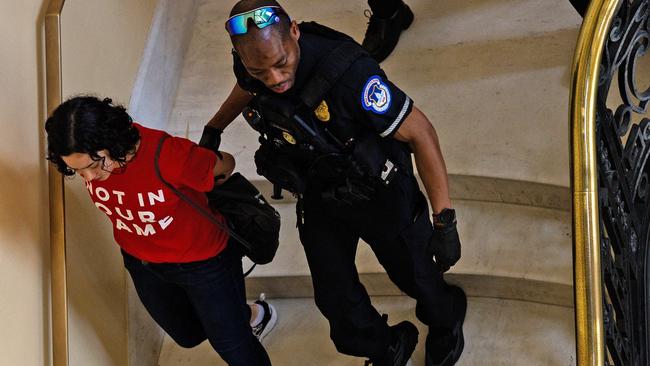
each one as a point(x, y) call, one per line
point(339, 135)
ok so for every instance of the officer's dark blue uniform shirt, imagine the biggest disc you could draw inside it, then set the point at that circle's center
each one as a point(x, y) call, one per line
point(362, 98)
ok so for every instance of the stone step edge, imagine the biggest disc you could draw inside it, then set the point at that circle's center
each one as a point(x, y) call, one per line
point(378, 284)
point(476, 188)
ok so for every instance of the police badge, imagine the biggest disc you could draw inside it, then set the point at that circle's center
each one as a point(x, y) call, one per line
point(322, 112)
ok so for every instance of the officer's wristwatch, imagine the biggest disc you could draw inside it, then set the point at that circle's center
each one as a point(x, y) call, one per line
point(445, 218)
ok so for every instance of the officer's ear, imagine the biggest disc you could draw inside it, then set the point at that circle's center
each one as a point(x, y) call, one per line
point(294, 31)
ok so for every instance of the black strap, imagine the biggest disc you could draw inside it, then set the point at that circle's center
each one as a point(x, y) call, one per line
point(196, 206)
point(329, 71)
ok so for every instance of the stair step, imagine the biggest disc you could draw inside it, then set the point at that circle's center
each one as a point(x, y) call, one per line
point(497, 332)
point(378, 284)
point(498, 239)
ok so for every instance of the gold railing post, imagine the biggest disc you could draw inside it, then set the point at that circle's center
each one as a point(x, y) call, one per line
point(57, 208)
point(590, 342)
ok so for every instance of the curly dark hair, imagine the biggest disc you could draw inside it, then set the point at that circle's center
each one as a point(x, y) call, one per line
point(85, 124)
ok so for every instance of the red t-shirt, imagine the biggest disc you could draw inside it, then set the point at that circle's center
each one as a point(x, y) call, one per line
point(150, 221)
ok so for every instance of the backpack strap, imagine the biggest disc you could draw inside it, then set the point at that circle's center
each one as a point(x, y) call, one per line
point(197, 207)
point(191, 202)
point(329, 72)
point(332, 67)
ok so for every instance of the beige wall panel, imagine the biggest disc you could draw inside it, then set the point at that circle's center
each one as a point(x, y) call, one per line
point(24, 254)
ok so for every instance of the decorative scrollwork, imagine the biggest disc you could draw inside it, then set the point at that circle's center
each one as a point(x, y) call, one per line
point(624, 188)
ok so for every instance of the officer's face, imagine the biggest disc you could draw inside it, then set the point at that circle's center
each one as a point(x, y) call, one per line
point(273, 60)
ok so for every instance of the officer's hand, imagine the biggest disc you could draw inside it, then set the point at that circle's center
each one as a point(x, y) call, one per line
point(211, 138)
point(445, 245)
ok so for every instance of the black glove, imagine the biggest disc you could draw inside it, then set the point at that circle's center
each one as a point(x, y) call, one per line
point(211, 139)
point(445, 244)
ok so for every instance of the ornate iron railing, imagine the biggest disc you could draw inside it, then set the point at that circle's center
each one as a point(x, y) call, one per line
point(624, 186)
point(611, 149)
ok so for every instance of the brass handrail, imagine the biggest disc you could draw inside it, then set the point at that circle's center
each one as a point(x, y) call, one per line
point(590, 342)
point(52, 23)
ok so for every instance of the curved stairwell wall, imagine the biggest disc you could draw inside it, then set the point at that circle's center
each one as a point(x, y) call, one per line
point(492, 76)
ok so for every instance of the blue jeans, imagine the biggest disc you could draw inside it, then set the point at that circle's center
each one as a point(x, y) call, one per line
point(201, 300)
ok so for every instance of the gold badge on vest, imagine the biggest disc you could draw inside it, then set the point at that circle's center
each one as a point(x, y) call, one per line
point(287, 136)
point(322, 112)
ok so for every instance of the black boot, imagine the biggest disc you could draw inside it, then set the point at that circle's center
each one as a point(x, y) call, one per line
point(404, 337)
point(383, 33)
point(444, 346)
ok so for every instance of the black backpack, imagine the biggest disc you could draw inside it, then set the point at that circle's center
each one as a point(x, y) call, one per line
point(252, 221)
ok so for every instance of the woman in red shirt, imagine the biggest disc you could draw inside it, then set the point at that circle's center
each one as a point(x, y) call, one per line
point(186, 272)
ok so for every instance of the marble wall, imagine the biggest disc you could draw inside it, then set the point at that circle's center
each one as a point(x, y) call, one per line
point(157, 81)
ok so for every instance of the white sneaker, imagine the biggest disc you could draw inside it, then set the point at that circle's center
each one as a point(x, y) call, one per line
point(269, 318)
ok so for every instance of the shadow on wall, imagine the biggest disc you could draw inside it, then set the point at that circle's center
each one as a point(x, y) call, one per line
point(24, 225)
point(17, 216)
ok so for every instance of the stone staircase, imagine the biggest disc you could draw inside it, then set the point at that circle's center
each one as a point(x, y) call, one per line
point(492, 76)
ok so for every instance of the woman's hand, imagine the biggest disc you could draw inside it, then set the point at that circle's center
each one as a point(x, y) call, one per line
point(224, 167)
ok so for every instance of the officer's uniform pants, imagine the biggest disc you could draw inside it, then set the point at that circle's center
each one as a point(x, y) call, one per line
point(399, 239)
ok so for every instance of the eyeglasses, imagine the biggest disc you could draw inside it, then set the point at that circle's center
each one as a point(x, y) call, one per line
point(262, 18)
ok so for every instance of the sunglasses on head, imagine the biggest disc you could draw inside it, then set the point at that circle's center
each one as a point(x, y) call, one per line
point(261, 17)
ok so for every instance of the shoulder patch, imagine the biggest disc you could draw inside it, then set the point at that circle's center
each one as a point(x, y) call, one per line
point(376, 95)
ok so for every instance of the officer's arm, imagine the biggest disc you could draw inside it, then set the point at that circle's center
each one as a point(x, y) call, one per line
point(417, 131)
point(223, 167)
point(231, 108)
